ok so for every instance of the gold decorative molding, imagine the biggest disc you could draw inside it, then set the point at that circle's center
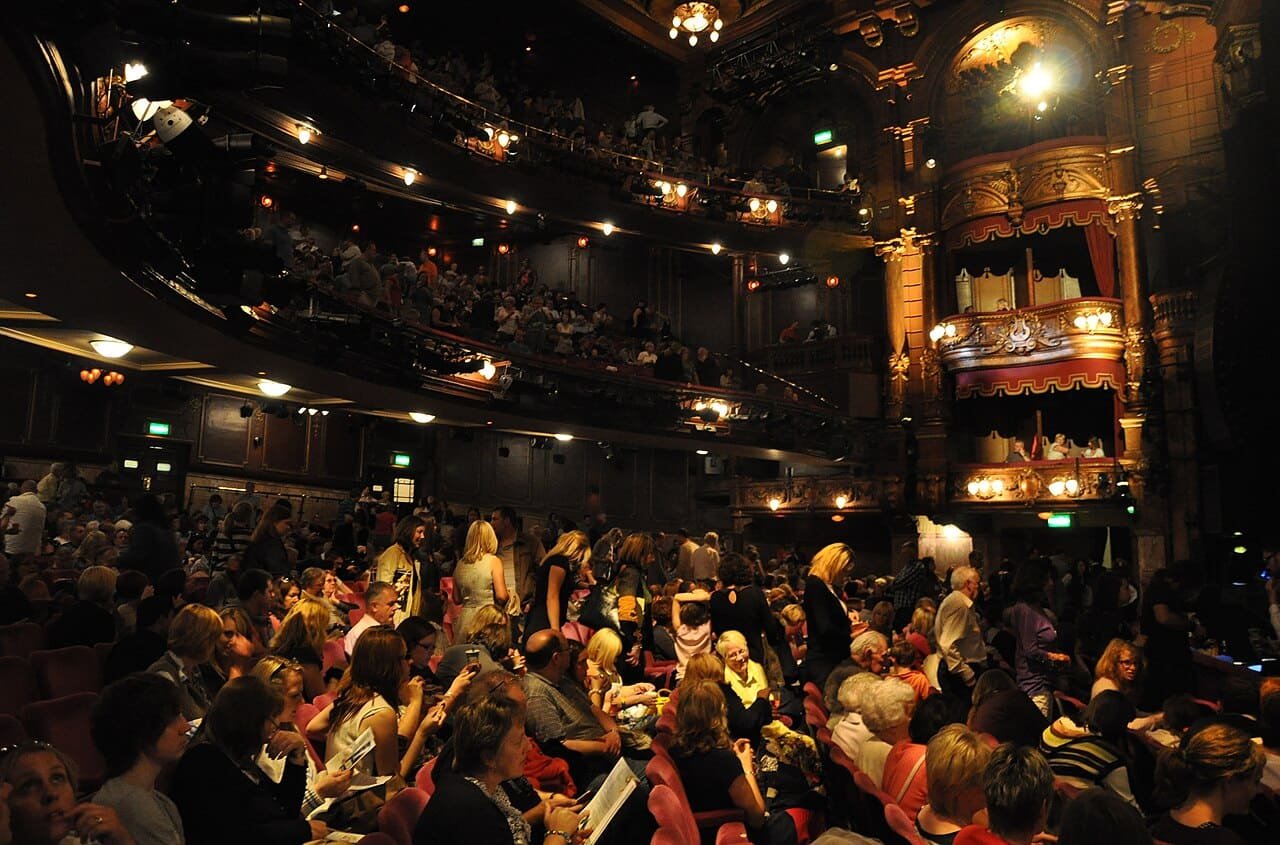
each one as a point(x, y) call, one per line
point(1060, 331)
point(1125, 207)
point(834, 494)
point(1026, 179)
point(1042, 483)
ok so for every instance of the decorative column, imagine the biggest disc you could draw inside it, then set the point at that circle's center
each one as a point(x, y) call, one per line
point(899, 360)
point(1137, 342)
point(740, 345)
point(1175, 318)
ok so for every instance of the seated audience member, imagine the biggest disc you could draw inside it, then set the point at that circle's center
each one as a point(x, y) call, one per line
point(561, 713)
point(420, 637)
point(904, 777)
point(135, 651)
point(381, 603)
point(471, 802)
point(745, 720)
point(870, 650)
point(745, 676)
point(693, 628)
point(254, 593)
point(1269, 715)
point(240, 648)
point(850, 731)
point(1018, 786)
point(1177, 716)
point(89, 621)
point(368, 698)
point(887, 707)
point(221, 793)
point(301, 639)
point(139, 729)
point(919, 631)
point(955, 760)
point(904, 665)
point(130, 585)
point(194, 636)
point(1093, 753)
point(664, 644)
point(719, 773)
point(1099, 815)
point(486, 642)
point(1117, 669)
point(831, 689)
point(38, 789)
point(1004, 711)
point(1214, 774)
point(604, 684)
point(1239, 699)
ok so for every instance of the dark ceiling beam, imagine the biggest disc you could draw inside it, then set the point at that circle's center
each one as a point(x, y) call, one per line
point(639, 26)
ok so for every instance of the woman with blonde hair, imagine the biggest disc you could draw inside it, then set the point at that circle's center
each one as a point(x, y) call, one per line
point(478, 579)
point(919, 630)
point(240, 647)
point(745, 676)
point(830, 626)
point(1213, 774)
point(194, 635)
point(91, 547)
point(955, 759)
point(1118, 669)
point(556, 578)
point(301, 639)
point(604, 684)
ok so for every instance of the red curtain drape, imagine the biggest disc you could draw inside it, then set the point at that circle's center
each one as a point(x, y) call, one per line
point(1102, 254)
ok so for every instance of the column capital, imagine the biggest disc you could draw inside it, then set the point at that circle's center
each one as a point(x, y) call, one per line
point(1125, 207)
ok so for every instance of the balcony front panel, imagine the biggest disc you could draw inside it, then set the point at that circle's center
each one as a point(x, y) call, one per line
point(1082, 338)
point(1043, 484)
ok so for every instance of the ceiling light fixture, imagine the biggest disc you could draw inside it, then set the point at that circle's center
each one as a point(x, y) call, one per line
point(30, 295)
point(410, 176)
point(784, 259)
point(931, 163)
point(109, 347)
point(133, 71)
point(583, 241)
point(274, 389)
point(512, 206)
point(419, 417)
point(305, 132)
point(607, 228)
point(715, 248)
point(702, 452)
point(324, 172)
point(833, 282)
point(696, 17)
point(563, 437)
point(488, 370)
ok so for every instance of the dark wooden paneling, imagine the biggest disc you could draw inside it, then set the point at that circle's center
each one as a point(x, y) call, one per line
point(81, 418)
point(19, 390)
point(618, 485)
point(224, 436)
point(284, 446)
point(342, 446)
point(669, 485)
point(460, 466)
point(567, 482)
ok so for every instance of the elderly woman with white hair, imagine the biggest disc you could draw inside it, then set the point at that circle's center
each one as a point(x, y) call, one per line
point(744, 675)
point(848, 731)
point(886, 710)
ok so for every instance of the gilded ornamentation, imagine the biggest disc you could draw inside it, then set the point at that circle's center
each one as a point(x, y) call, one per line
point(1026, 181)
point(1167, 37)
point(899, 366)
point(1021, 334)
point(1136, 342)
point(1240, 57)
point(1037, 485)
point(1058, 331)
point(810, 494)
point(1125, 207)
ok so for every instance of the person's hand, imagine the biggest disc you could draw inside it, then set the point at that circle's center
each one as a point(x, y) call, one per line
point(333, 784)
point(1044, 839)
point(612, 743)
point(764, 693)
point(563, 818)
point(433, 720)
point(644, 687)
point(742, 750)
point(319, 830)
point(94, 822)
point(647, 698)
point(633, 656)
point(556, 800)
point(460, 684)
point(283, 743)
point(414, 689)
point(1058, 657)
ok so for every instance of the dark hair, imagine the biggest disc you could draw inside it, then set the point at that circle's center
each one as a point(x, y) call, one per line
point(1238, 695)
point(1109, 715)
point(694, 614)
point(234, 720)
point(148, 509)
point(509, 514)
point(151, 610)
point(479, 729)
point(131, 584)
point(932, 715)
point(129, 717)
point(1099, 815)
point(1028, 582)
point(253, 581)
point(172, 583)
point(1181, 712)
point(412, 629)
point(734, 571)
point(1017, 784)
point(311, 575)
point(404, 533)
point(281, 510)
point(904, 654)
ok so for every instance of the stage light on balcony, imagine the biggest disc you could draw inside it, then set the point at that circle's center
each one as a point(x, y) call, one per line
point(133, 71)
point(1105, 318)
point(771, 206)
point(512, 206)
point(841, 501)
point(410, 176)
point(681, 190)
point(775, 503)
point(721, 408)
point(997, 486)
point(972, 488)
point(504, 139)
point(754, 205)
point(607, 228)
point(583, 241)
point(488, 370)
point(664, 186)
point(109, 347)
point(1057, 487)
point(563, 437)
point(784, 259)
point(864, 212)
point(266, 201)
point(1073, 487)
point(305, 133)
point(715, 248)
point(420, 417)
point(274, 389)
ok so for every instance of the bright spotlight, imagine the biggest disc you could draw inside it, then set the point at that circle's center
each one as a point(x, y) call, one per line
point(488, 370)
point(410, 176)
point(111, 348)
point(274, 389)
point(1036, 82)
point(784, 259)
point(931, 163)
point(715, 248)
point(607, 228)
point(419, 417)
point(134, 71)
point(304, 133)
point(563, 437)
point(511, 206)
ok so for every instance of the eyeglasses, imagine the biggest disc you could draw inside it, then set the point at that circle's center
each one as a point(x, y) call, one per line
point(25, 747)
point(1128, 662)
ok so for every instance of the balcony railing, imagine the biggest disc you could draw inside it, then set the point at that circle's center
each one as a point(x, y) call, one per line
point(1089, 327)
point(1038, 483)
point(830, 495)
point(860, 353)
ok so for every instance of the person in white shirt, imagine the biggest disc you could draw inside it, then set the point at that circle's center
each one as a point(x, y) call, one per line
point(381, 603)
point(959, 634)
point(24, 517)
point(705, 560)
point(650, 119)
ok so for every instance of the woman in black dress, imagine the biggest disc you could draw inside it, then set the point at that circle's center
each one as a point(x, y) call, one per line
point(739, 605)
point(555, 580)
point(830, 630)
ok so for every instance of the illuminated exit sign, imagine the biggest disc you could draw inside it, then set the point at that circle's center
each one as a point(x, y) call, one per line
point(823, 136)
point(400, 459)
point(156, 428)
point(1059, 520)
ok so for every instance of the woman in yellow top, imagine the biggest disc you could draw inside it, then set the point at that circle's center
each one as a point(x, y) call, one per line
point(744, 675)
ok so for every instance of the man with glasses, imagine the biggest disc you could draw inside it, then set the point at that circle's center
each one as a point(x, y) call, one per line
point(959, 633)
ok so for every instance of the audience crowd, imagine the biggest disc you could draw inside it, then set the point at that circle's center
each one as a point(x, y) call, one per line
point(245, 675)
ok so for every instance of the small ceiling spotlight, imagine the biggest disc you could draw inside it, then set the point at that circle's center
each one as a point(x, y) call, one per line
point(681, 190)
point(563, 437)
point(133, 71)
point(701, 452)
point(503, 249)
point(583, 241)
point(833, 67)
point(715, 248)
point(274, 389)
point(410, 176)
point(305, 133)
point(775, 503)
point(931, 163)
point(841, 501)
point(109, 347)
point(419, 417)
point(511, 206)
point(784, 259)
point(753, 285)
point(864, 212)
point(266, 201)
point(324, 172)
point(431, 252)
point(607, 228)
point(833, 282)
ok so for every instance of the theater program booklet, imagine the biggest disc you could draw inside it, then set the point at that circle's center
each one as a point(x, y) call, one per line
point(609, 798)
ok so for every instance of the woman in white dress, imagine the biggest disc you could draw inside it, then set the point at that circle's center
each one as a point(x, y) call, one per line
point(478, 579)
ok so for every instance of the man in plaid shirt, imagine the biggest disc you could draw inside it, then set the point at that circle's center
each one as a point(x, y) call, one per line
point(915, 581)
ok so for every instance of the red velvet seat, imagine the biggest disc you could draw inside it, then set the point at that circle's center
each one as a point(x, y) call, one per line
point(65, 671)
point(661, 672)
point(376, 839)
point(1068, 705)
point(399, 816)
point(64, 723)
point(103, 650)
point(322, 701)
point(11, 731)
point(814, 716)
point(21, 638)
point(356, 614)
point(17, 685)
point(424, 780)
point(301, 718)
point(900, 824)
point(335, 654)
point(811, 690)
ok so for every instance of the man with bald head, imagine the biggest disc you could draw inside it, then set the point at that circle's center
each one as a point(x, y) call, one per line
point(22, 522)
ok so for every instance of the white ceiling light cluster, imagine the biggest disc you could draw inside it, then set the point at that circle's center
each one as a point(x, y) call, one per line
point(694, 18)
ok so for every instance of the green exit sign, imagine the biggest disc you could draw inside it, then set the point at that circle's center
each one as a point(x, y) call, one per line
point(156, 428)
point(823, 136)
point(1059, 520)
point(400, 459)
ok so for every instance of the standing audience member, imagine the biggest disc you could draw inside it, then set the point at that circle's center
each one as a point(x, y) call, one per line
point(554, 580)
point(399, 567)
point(139, 729)
point(830, 627)
point(266, 549)
point(478, 579)
point(1035, 663)
point(194, 637)
point(958, 632)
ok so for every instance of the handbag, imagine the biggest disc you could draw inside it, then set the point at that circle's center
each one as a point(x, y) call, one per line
point(357, 811)
point(600, 608)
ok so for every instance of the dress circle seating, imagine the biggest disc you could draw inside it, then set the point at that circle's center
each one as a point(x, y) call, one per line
point(64, 723)
point(64, 671)
point(21, 638)
point(399, 816)
point(17, 685)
